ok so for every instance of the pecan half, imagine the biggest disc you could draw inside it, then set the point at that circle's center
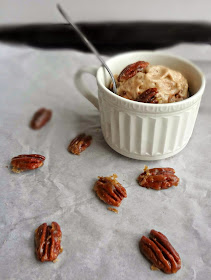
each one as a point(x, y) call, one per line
point(40, 118)
point(160, 252)
point(110, 190)
point(158, 178)
point(131, 70)
point(79, 144)
point(148, 96)
point(26, 162)
point(48, 242)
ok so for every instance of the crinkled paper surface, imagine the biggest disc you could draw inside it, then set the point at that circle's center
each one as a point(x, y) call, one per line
point(98, 244)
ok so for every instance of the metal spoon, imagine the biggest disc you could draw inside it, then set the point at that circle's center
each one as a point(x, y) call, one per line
point(89, 44)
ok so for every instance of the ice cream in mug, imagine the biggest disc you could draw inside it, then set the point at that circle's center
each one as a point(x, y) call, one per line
point(147, 83)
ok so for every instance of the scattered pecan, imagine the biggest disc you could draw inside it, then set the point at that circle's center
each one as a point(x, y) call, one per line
point(26, 162)
point(40, 118)
point(160, 252)
point(110, 190)
point(131, 70)
point(148, 96)
point(158, 178)
point(79, 144)
point(48, 242)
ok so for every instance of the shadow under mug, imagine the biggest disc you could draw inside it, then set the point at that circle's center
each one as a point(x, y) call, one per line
point(140, 130)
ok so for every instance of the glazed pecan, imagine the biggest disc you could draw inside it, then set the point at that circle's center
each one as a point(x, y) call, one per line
point(160, 252)
point(110, 190)
point(158, 178)
point(48, 242)
point(40, 118)
point(79, 144)
point(26, 162)
point(148, 96)
point(131, 70)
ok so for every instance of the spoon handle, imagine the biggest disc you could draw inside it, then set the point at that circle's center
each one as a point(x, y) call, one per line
point(88, 43)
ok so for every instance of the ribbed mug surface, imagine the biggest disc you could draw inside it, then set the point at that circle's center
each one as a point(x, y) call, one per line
point(147, 136)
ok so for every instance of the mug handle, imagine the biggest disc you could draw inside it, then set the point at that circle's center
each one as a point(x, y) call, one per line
point(83, 88)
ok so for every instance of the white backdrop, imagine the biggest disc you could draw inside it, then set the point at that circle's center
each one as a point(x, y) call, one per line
point(98, 244)
point(39, 11)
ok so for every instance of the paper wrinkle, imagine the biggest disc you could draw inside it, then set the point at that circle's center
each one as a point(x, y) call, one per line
point(98, 244)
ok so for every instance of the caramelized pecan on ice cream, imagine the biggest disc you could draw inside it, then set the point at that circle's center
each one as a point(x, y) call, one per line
point(142, 78)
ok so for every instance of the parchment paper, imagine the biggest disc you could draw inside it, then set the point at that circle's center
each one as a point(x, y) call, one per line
point(98, 244)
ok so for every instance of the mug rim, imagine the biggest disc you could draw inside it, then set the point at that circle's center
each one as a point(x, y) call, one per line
point(179, 58)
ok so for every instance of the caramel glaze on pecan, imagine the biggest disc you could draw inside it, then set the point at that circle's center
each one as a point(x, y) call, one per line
point(48, 242)
point(160, 252)
point(40, 118)
point(113, 210)
point(26, 162)
point(158, 178)
point(148, 96)
point(110, 190)
point(79, 144)
point(131, 70)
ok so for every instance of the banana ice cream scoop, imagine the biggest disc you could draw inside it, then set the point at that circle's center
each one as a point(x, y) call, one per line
point(168, 85)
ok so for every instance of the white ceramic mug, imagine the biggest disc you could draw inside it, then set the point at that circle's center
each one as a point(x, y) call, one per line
point(140, 130)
